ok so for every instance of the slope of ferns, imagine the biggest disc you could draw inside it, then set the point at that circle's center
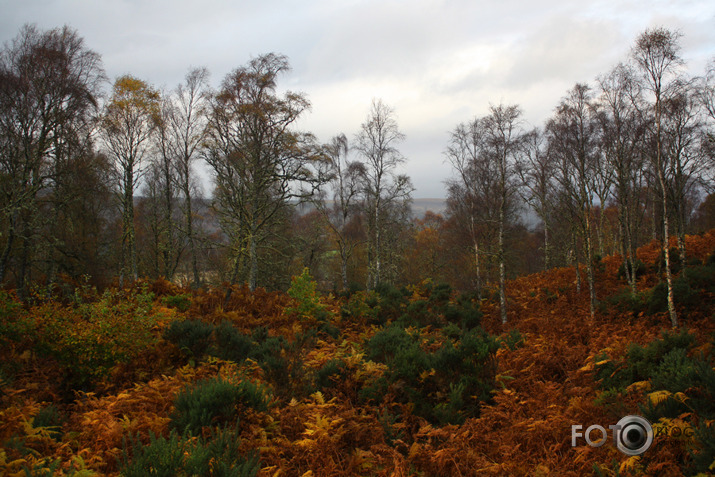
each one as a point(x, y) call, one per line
point(399, 382)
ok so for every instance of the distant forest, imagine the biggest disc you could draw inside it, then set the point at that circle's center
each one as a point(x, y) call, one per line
point(99, 187)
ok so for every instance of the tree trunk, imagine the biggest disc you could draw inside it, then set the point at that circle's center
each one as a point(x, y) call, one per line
point(590, 269)
point(253, 258)
point(574, 259)
point(377, 246)
point(192, 245)
point(5, 258)
point(344, 266)
point(169, 247)
point(681, 249)
point(479, 271)
point(502, 266)
point(547, 251)
point(232, 279)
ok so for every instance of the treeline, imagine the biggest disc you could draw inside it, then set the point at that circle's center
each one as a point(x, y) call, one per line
point(102, 186)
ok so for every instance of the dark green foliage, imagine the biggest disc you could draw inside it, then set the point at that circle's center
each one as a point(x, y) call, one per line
point(303, 291)
point(279, 359)
point(387, 421)
point(180, 302)
point(214, 401)
point(683, 295)
point(13, 324)
point(675, 265)
point(384, 344)
point(549, 296)
point(269, 352)
point(641, 363)
point(191, 336)
point(331, 372)
point(360, 306)
point(176, 456)
point(690, 380)
point(435, 310)
point(465, 312)
point(675, 373)
point(161, 458)
point(701, 278)
point(690, 291)
point(391, 303)
point(702, 454)
point(513, 340)
point(626, 302)
point(640, 269)
point(444, 386)
point(49, 418)
point(329, 329)
point(232, 345)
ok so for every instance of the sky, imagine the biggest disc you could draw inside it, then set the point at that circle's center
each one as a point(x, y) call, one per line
point(437, 63)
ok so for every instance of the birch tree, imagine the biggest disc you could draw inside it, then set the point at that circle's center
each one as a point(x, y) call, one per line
point(258, 161)
point(128, 122)
point(377, 143)
point(656, 53)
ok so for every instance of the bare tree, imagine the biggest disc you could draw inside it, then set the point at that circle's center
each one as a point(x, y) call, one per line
point(129, 119)
point(656, 53)
point(688, 163)
point(377, 143)
point(622, 141)
point(49, 84)
point(345, 183)
point(503, 141)
point(188, 129)
point(484, 153)
point(258, 162)
point(573, 137)
point(537, 171)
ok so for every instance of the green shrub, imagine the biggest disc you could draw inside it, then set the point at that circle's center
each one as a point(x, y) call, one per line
point(161, 457)
point(329, 329)
point(683, 295)
point(14, 324)
point(383, 346)
point(180, 302)
point(701, 278)
point(214, 401)
point(49, 418)
point(626, 302)
point(218, 456)
point(391, 302)
point(303, 291)
point(675, 373)
point(702, 454)
point(332, 371)
point(465, 312)
point(360, 306)
point(640, 269)
point(675, 265)
point(549, 296)
point(89, 339)
point(231, 344)
point(191, 336)
point(513, 340)
point(444, 386)
point(640, 363)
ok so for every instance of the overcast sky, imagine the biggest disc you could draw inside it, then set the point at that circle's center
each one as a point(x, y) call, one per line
point(436, 62)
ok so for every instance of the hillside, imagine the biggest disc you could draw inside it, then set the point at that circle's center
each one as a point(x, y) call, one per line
point(403, 382)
